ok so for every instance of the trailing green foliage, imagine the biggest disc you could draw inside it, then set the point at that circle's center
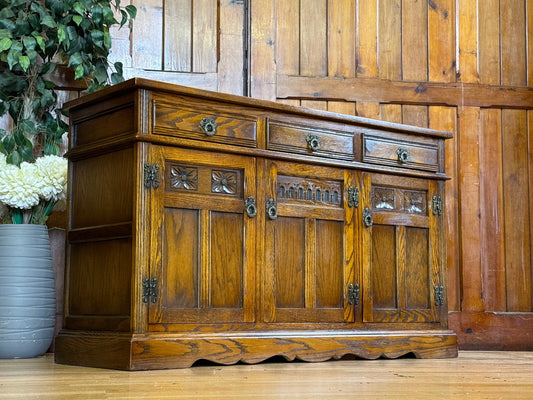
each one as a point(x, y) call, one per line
point(34, 37)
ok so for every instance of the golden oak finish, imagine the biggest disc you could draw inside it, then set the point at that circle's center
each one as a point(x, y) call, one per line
point(218, 227)
point(473, 375)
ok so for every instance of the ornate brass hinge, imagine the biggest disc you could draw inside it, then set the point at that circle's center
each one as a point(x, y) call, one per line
point(150, 290)
point(151, 176)
point(439, 296)
point(437, 205)
point(353, 197)
point(353, 294)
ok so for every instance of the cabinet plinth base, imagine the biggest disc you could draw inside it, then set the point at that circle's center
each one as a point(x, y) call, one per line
point(156, 351)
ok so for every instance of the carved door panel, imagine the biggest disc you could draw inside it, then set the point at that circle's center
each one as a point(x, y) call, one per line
point(309, 244)
point(201, 227)
point(401, 254)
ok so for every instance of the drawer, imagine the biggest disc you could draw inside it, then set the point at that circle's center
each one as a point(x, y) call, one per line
point(203, 124)
point(409, 152)
point(324, 142)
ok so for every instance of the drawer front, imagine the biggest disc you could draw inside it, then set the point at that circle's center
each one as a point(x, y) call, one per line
point(408, 153)
point(206, 125)
point(319, 142)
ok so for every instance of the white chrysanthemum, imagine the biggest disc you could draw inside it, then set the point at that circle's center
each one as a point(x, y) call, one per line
point(19, 186)
point(52, 171)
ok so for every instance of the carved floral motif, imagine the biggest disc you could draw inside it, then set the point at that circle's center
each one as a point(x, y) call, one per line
point(182, 177)
point(224, 182)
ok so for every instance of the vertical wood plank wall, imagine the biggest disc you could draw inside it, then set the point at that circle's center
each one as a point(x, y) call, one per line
point(464, 66)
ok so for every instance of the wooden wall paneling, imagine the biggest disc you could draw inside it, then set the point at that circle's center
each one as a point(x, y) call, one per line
point(341, 24)
point(147, 36)
point(313, 44)
point(492, 215)
point(288, 41)
point(469, 208)
point(415, 56)
point(204, 35)
point(390, 52)
point(232, 42)
point(513, 37)
point(529, 40)
point(516, 200)
point(445, 119)
point(367, 52)
point(467, 62)
point(262, 49)
point(489, 41)
point(177, 36)
point(441, 45)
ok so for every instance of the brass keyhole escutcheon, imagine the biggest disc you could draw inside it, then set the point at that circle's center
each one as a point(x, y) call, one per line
point(403, 155)
point(313, 142)
point(250, 207)
point(209, 126)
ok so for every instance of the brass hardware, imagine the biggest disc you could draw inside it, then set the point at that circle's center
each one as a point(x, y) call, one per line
point(353, 197)
point(437, 205)
point(272, 209)
point(250, 207)
point(209, 126)
point(353, 294)
point(150, 290)
point(367, 217)
point(439, 296)
point(151, 176)
point(403, 155)
point(313, 142)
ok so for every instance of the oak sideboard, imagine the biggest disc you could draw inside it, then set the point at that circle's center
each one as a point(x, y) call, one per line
point(207, 226)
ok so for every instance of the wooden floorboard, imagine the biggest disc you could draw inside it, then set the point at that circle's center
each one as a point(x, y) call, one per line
point(473, 375)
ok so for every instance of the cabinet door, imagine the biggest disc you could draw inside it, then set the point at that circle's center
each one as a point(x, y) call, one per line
point(402, 252)
point(202, 240)
point(309, 244)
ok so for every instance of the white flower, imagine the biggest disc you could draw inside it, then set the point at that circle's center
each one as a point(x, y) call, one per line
point(52, 171)
point(25, 186)
point(19, 186)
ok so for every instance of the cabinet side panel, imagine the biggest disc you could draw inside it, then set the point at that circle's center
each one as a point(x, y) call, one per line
point(226, 269)
point(180, 258)
point(100, 274)
point(384, 266)
point(102, 190)
point(417, 280)
point(329, 263)
point(289, 264)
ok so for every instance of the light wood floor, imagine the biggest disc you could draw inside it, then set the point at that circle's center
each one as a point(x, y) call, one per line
point(474, 375)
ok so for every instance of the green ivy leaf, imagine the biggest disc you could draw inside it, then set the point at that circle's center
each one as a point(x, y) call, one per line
point(29, 42)
point(13, 58)
point(61, 33)
point(2, 148)
point(77, 19)
point(26, 151)
point(5, 44)
point(14, 158)
point(9, 143)
point(24, 62)
point(78, 7)
point(48, 21)
point(132, 11)
point(5, 33)
point(40, 41)
point(79, 72)
point(75, 59)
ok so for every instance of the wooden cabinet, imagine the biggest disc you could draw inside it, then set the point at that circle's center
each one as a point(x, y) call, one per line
point(217, 227)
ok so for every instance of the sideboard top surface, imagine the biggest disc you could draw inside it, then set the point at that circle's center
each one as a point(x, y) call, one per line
point(170, 88)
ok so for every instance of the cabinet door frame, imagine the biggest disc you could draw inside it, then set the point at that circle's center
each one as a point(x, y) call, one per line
point(401, 222)
point(309, 214)
point(204, 312)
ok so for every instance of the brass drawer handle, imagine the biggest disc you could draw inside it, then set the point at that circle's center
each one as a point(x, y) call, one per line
point(313, 142)
point(209, 126)
point(367, 217)
point(403, 155)
point(250, 207)
point(272, 209)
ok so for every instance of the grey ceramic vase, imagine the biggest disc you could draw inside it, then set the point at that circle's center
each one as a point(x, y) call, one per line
point(27, 293)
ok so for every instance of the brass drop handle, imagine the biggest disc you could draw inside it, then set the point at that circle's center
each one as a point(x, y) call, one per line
point(250, 207)
point(313, 142)
point(209, 126)
point(403, 155)
point(367, 217)
point(271, 209)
